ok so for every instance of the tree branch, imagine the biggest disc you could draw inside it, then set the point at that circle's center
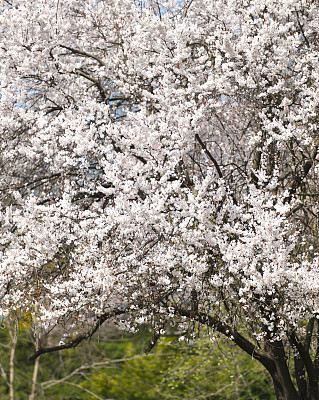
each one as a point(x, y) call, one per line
point(152, 343)
point(75, 342)
point(232, 334)
point(83, 53)
point(85, 75)
point(209, 155)
point(299, 178)
point(303, 354)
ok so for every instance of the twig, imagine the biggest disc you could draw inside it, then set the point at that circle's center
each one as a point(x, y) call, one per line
point(209, 155)
point(83, 53)
point(152, 343)
point(75, 342)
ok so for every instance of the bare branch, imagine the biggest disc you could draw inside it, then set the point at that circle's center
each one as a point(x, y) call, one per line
point(75, 342)
point(83, 53)
point(232, 334)
point(209, 155)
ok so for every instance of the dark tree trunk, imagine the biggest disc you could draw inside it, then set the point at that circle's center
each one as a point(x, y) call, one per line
point(283, 385)
point(273, 357)
point(283, 390)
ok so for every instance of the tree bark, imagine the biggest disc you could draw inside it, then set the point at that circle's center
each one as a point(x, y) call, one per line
point(283, 385)
point(35, 373)
point(13, 331)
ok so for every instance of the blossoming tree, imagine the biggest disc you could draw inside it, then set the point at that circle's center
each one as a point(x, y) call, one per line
point(158, 165)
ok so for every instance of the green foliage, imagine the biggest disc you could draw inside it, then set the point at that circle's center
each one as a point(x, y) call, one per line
point(136, 377)
point(183, 371)
point(217, 372)
point(116, 368)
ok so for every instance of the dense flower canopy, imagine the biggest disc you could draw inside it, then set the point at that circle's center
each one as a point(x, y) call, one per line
point(158, 162)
